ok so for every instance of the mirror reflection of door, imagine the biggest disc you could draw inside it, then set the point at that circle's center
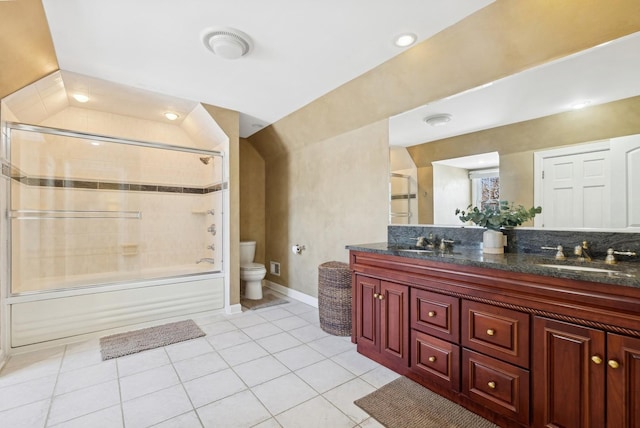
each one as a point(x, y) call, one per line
point(625, 179)
point(575, 185)
point(403, 187)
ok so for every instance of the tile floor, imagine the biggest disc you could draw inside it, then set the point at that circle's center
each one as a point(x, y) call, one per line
point(272, 367)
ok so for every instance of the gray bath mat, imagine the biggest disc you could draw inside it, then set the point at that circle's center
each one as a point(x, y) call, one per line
point(405, 404)
point(266, 301)
point(131, 342)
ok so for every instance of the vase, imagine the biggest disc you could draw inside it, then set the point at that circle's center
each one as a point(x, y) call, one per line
point(493, 242)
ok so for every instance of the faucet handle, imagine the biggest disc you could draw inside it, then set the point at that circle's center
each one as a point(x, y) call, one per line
point(610, 258)
point(559, 251)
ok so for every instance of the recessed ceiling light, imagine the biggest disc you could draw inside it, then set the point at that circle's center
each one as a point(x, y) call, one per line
point(404, 40)
point(438, 119)
point(171, 116)
point(81, 98)
point(580, 104)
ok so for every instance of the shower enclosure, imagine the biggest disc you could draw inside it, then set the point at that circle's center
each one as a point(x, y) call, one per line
point(103, 232)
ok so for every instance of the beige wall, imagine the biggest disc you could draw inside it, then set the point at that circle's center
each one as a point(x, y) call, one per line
point(26, 48)
point(325, 196)
point(516, 144)
point(252, 198)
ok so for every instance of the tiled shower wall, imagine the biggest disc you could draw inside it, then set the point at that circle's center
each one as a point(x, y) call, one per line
point(172, 190)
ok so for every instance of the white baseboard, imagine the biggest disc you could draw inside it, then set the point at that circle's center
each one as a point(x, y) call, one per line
point(301, 297)
point(233, 309)
point(3, 358)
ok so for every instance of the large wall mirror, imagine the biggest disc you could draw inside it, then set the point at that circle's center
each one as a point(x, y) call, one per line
point(564, 135)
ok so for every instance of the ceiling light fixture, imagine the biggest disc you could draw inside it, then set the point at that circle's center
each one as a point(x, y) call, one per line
point(404, 40)
point(438, 119)
point(171, 116)
point(580, 104)
point(81, 98)
point(227, 43)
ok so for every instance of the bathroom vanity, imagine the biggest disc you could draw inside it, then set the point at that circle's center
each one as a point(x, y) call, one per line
point(507, 336)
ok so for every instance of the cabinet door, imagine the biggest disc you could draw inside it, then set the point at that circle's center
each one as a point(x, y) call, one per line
point(394, 323)
point(623, 381)
point(367, 290)
point(569, 375)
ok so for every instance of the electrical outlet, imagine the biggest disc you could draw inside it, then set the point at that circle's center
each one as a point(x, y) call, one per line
point(275, 268)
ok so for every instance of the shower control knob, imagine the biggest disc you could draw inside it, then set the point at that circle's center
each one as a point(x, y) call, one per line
point(212, 229)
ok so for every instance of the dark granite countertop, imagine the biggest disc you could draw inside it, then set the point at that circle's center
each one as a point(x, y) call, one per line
point(623, 273)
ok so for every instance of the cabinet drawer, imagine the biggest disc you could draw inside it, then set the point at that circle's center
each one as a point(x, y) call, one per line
point(500, 386)
point(435, 360)
point(499, 332)
point(435, 314)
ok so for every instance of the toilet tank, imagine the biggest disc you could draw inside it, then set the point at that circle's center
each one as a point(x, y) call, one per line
point(247, 251)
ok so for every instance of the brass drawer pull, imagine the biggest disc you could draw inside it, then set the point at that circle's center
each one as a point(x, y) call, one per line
point(613, 364)
point(596, 359)
point(432, 359)
point(431, 314)
point(491, 385)
point(491, 332)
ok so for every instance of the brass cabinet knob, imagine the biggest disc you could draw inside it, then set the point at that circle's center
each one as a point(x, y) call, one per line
point(596, 359)
point(380, 296)
point(432, 359)
point(613, 364)
point(491, 385)
point(431, 314)
point(375, 295)
point(491, 332)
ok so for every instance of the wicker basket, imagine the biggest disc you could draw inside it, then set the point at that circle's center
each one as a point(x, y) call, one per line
point(334, 298)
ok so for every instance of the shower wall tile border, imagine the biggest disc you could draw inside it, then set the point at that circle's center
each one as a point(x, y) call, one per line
point(107, 185)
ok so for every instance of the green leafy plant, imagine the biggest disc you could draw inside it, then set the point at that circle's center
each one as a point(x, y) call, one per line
point(504, 214)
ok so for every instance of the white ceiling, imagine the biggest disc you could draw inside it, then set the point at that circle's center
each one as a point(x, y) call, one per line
point(601, 74)
point(302, 49)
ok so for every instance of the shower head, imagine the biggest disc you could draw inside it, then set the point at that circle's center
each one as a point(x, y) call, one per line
point(206, 159)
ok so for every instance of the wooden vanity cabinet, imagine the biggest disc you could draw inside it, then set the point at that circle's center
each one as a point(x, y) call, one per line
point(597, 372)
point(382, 324)
point(521, 350)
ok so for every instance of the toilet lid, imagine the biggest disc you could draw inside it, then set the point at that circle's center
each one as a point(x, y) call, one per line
point(252, 266)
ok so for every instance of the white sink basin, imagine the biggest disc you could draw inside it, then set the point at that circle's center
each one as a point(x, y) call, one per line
point(579, 268)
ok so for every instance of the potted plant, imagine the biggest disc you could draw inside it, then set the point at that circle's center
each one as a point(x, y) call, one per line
point(494, 217)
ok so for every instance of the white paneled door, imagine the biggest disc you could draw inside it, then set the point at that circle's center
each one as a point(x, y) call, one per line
point(625, 179)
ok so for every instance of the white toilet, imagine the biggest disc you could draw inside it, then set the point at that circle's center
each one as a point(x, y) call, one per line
point(251, 274)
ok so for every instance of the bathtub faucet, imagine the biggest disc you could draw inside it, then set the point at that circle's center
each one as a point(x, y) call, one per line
point(206, 259)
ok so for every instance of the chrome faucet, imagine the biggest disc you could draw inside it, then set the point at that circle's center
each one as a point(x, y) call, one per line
point(583, 252)
point(611, 260)
point(559, 251)
point(446, 244)
point(206, 259)
point(425, 242)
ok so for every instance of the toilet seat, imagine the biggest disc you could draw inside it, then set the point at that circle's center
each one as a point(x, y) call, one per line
point(252, 266)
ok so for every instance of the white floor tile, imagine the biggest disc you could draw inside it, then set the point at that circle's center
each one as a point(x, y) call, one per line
point(283, 393)
point(312, 317)
point(261, 370)
point(356, 363)
point(242, 353)
point(371, 423)
point(298, 308)
point(83, 401)
point(331, 345)
point(88, 376)
point(155, 408)
point(239, 410)
point(275, 313)
point(325, 375)
point(261, 330)
point(344, 395)
point(291, 322)
point(299, 357)
point(218, 327)
point(80, 360)
point(26, 392)
point(308, 333)
point(199, 366)
point(187, 420)
point(247, 320)
point(278, 342)
point(148, 381)
point(142, 361)
point(213, 387)
point(315, 413)
point(85, 345)
point(12, 375)
point(110, 417)
point(379, 376)
point(188, 349)
point(269, 423)
point(27, 416)
point(228, 339)
point(29, 358)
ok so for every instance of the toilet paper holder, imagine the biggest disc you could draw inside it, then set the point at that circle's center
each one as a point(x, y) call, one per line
point(297, 249)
